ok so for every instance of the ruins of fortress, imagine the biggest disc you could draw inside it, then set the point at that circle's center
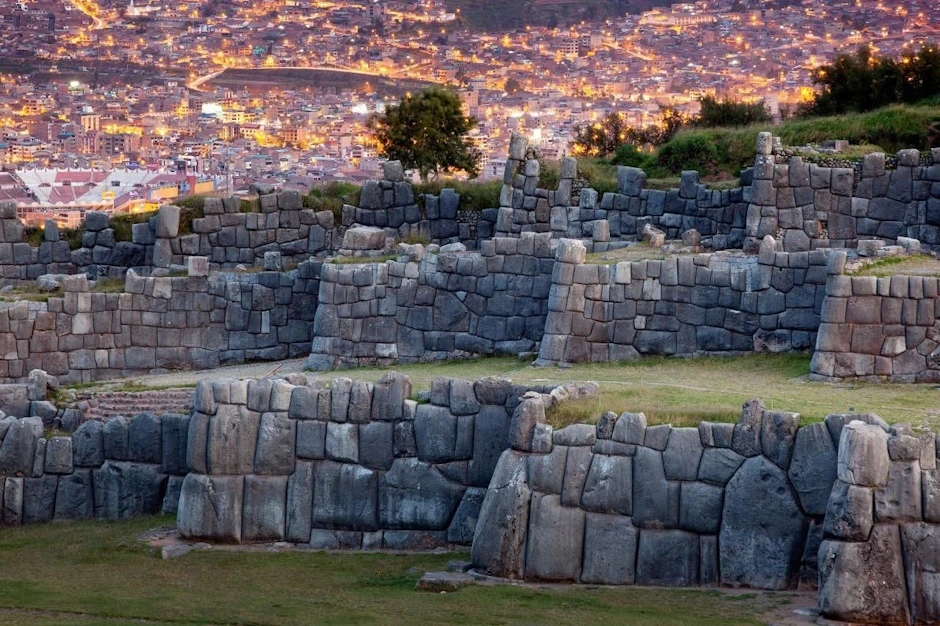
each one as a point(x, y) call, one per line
point(849, 505)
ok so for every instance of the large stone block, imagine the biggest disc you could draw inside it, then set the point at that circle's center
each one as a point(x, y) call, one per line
point(700, 506)
point(864, 581)
point(144, 439)
point(863, 455)
point(921, 548)
point(490, 438)
point(299, 503)
point(668, 558)
point(900, 499)
point(531, 411)
point(682, 454)
point(414, 495)
point(18, 449)
point(39, 498)
point(114, 435)
point(761, 546)
point(608, 487)
point(88, 445)
point(500, 536)
point(264, 509)
point(344, 496)
point(232, 440)
point(556, 540)
point(576, 469)
point(211, 507)
point(74, 499)
point(778, 434)
point(718, 465)
point(441, 436)
point(849, 512)
point(274, 454)
point(813, 467)
point(610, 546)
point(464, 522)
point(124, 490)
point(747, 432)
point(174, 432)
point(655, 500)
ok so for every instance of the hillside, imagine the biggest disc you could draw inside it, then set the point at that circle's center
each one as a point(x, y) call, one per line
point(498, 15)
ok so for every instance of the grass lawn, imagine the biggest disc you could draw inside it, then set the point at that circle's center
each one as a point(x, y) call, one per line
point(99, 573)
point(686, 391)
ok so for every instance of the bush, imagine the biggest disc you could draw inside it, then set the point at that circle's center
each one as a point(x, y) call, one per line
point(629, 156)
point(689, 151)
point(123, 224)
point(474, 196)
point(331, 197)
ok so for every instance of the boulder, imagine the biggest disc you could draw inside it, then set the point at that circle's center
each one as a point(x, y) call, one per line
point(500, 536)
point(849, 512)
point(813, 467)
point(668, 558)
point(864, 581)
point(556, 540)
point(531, 411)
point(415, 496)
point(361, 238)
point(610, 545)
point(630, 428)
point(210, 507)
point(761, 546)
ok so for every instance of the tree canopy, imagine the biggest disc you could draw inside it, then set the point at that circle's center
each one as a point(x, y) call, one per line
point(428, 132)
point(728, 112)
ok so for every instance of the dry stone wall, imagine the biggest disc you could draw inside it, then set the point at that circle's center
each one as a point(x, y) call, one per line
point(879, 328)
point(160, 323)
point(110, 470)
point(682, 305)
point(435, 306)
point(349, 465)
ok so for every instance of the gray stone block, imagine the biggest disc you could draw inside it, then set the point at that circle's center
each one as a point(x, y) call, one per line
point(74, 499)
point(114, 435)
point(264, 508)
point(174, 431)
point(921, 551)
point(900, 500)
point(144, 439)
point(608, 487)
point(718, 465)
point(863, 455)
point(464, 522)
point(747, 432)
point(442, 437)
point(655, 500)
point(58, 456)
point(849, 512)
point(700, 506)
point(18, 450)
point(299, 503)
point(668, 558)
point(344, 496)
point(210, 507)
point(813, 467)
point(88, 445)
point(682, 454)
point(500, 536)
point(610, 546)
point(555, 540)
point(414, 495)
point(342, 442)
point(124, 490)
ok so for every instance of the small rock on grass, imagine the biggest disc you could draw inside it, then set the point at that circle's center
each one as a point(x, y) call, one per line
point(443, 581)
point(175, 551)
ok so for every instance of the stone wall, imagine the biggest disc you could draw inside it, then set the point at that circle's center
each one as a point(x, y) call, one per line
point(879, 328)
point(684, 305)
point(110, 470)
point(434, 306)
point(350, 465)
point(225, 235)
point(160, 323)
point(810, 206)
point(762, 503)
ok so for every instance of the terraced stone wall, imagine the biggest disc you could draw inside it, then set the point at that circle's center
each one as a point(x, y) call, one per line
point(435, 306)
point(349, 465)
point(849, 503)
point(709, 303)
point(156, 324)
point(110, 470)
point(879, 328)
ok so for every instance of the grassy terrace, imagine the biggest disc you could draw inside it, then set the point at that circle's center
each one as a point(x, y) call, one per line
point(686, 391)
point(99, 573)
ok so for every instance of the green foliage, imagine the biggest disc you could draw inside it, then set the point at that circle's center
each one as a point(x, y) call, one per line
point(414, 238)
point(428, 132)
point(331, 197)
point(728, 112)
point(123, 224)
point(191, 202)
point(629, 156)
point(603, 138)
point(865, 81)
point(73, 236)
point(689, 152)
point(249, 205)
point(474, 195)
point(33, 235)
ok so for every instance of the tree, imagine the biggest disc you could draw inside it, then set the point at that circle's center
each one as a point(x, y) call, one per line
point(512, 86)
point(603, 138)
point(428, 132)
point(729, 112)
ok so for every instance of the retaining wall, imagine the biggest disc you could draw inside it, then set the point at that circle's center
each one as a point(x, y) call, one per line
point(439, 306)
point(709, 303)
point(110, 470)
point(352, 465)
point(879, 328)
point(160, 323)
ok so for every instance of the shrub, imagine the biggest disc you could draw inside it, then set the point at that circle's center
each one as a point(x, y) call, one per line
point(689, 152)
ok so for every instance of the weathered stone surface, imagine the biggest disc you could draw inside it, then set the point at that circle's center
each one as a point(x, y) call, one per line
point(463, 400)
point(778, 434)
point(682, 454)
point(930, 482)
point(210, 507)
point(39, 498)
point(414, 495)
point(299, 502)
point(863, 455)
point(668, 558)
point(546, 472)
point(761, 545)
point(342, 442)
point(531, 411)
point(124, 490)
point(610, 545)
point(171, 500)
point(836, 422)
point(441, 436)
point(576, 469)
point(376, 445)
point(864, 582)
point(344, 496)
point(441, 582)
point(849, 513)
point(114, 435)
point(555, 541)
point(144, 439)
point(630, 428)
point(490, 438)
point(608, 487)
point(19, 446)
point(813, 467)
point(900, 499)
point(274, 454)
point(655, 500)
point(747, 432)
point(232, 440)
point(311, 439)
point(264, 508)
point(74, 498)
point(11, 511)
point(921, 548)
point(88, 445)
point(718, 465)
point(464, 522)
point(500, 536)
point(700, 507)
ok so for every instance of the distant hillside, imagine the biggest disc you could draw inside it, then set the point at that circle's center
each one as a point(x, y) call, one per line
point(497, 15)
